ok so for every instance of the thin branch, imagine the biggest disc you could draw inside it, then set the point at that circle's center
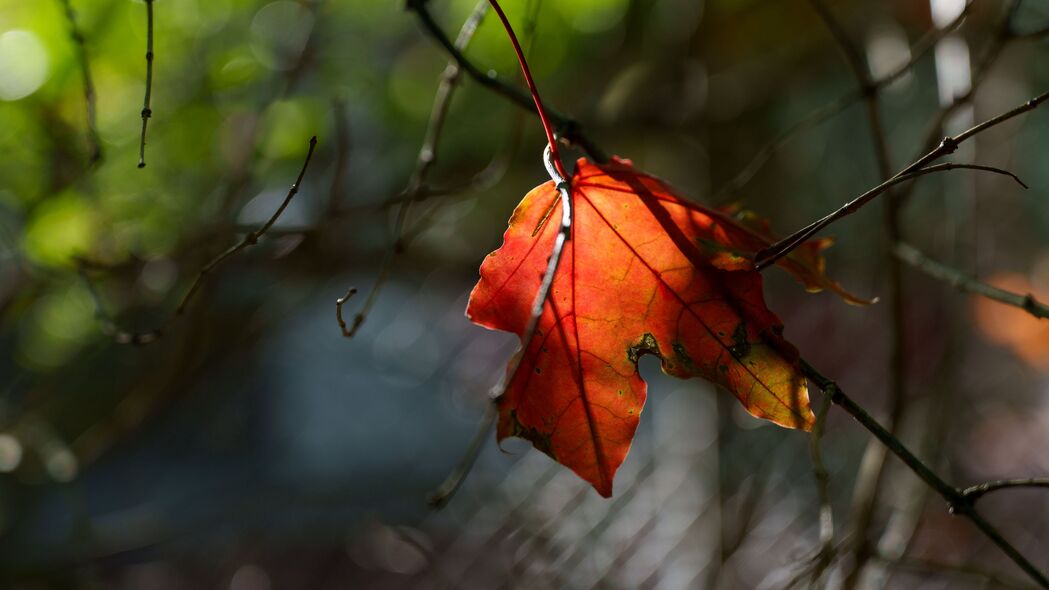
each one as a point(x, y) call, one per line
point(982, 66)
point(963, 282)
point(853, 55)
point(763, 155)
point(827, 551)
point(250, 239)
point(947, 146)
point(417, 188)
point(869, 481)
point(957, 502)
point(342, 154)
point(566, 127)
point(920, 565)
point(455, 479)
point(923, 46)
point(815, 118)
point(444, 492)
point(347, 332)
point(1032, 34)
point(147, 112)
point(974, 493)
point(89, 86)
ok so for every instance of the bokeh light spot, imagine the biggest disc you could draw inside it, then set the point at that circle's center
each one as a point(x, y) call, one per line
point(10, 453)
point(24, 65)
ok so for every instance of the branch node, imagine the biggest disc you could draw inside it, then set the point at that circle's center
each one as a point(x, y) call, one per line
point(960, 505)
point(1030, 303)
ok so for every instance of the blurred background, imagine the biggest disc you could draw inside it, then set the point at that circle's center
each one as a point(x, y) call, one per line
point(252, 446)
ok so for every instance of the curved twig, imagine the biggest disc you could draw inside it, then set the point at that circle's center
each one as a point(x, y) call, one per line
point(347, 332)
point(770, 255)
point(121, 336)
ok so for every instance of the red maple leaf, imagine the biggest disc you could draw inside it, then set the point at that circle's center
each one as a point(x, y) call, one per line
point(644, 272)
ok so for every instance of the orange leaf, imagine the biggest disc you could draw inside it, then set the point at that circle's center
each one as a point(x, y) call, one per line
point(644, 272)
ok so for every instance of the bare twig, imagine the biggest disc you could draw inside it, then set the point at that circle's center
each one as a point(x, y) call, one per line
point(147, 112)
point(763, 155)
point(852, 54)
point(827, 551)
point(947, 146)
point(1033, 33)
point(813, 119)
point(417, 187)
point(974, 493)
point(342, 154)
point(963, 282)
point(444, 492)
point(250, 239)
point(957, 502)
point(923, 46)
point(347, 332)
point(869, 480)
point(920, 565)
point(566, 127)
point(89, 86)
point(983, 64)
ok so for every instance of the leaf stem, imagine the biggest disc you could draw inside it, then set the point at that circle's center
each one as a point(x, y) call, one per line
point(547, 127)
point(568, 128)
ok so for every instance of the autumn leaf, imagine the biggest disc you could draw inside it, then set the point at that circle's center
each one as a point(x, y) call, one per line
point(645, 272)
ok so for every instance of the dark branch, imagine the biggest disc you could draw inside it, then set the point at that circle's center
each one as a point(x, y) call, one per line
point(347, 332)
point(957, 501)
point(147, 112)
point(947, 146)
point(826, 112)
